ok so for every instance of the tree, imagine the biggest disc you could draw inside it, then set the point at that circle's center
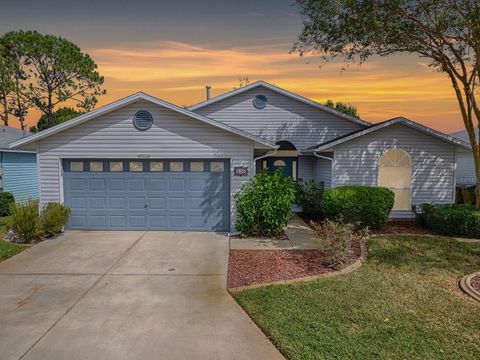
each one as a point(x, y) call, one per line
point(56, 72)
point(6, 85)
point(12, 87)
point(60, 116)
point(344, 108)
point(447, 33)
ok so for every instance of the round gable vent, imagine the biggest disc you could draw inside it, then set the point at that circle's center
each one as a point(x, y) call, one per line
point(260, 101)
point(142, 120)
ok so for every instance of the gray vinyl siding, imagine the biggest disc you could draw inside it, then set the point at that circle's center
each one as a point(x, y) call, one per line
point(173, 135)
point(283, 118)
point(465, 174)
point(305, 167)
point(313, 168)
point(323, 171)
point(356, 162)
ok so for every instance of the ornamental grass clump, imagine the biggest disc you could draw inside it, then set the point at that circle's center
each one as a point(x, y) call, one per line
point(335, 239)
point(264, 204)
point(29, 223)
point(25, 221)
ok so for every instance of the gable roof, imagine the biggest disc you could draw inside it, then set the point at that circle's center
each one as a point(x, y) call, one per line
point(384, 124)
point(127, 101)
point(463, 135)
point(280, 91)
point(9, 135)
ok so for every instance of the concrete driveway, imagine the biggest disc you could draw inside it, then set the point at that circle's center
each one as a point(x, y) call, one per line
point(124, 295)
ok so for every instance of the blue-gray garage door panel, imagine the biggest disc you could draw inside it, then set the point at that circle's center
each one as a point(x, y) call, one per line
point(148, 200)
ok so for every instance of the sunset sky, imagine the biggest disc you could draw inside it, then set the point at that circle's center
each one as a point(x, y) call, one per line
point(171, 49)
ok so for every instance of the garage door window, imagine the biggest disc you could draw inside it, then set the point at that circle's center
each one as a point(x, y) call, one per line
point(136, 166)
point(116, 166)
point(76, 166)
point(176, 166)
point(156, 166)
point(96, 166)
point(217, 166)
point(196, 166)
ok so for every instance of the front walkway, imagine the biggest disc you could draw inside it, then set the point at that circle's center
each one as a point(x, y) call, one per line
point(300, 237)
point(124, 295)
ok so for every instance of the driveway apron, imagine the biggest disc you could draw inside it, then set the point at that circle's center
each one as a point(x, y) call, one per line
point(124, 295)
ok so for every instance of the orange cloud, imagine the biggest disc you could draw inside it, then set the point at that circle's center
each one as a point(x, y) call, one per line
point(380, 88)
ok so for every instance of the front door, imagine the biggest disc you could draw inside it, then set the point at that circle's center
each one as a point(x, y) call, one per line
point(287, 165)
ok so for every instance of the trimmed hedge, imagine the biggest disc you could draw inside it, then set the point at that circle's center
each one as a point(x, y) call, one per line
point(450, 219)
point(6, 201)
point(263, 204)
point(365, 206)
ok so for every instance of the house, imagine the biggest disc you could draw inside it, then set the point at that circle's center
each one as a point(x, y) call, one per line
point(18, 168)
point(143, 163)
point(465, 166)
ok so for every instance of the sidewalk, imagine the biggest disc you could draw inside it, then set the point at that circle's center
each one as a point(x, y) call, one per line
point(300, 237)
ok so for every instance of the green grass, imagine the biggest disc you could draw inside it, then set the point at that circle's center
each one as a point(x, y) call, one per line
point(403, 303)
point(3, 222)
point(8, 249)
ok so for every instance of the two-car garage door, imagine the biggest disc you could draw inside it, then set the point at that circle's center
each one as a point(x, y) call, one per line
point(148, 194)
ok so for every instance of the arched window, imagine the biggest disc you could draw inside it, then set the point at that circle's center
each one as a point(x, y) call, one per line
point(279, 163)
point(395, 173)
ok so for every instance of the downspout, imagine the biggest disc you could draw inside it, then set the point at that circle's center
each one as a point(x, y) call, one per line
point(236, 233)
point(325, 158)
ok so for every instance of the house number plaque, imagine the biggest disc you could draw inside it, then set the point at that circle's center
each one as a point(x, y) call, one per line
point(240, 170)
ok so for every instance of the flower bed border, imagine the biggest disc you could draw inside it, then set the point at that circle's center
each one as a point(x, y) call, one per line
point(466, 286)
point(348, 269)
point(456, 238)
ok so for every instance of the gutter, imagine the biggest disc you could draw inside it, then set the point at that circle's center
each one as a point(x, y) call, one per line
point(262, 157)
point(321, 156)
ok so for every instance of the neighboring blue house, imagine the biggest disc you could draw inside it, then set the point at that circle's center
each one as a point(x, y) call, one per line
point(18, 168)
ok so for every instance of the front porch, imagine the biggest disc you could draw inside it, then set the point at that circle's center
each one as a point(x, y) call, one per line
point(295, 164)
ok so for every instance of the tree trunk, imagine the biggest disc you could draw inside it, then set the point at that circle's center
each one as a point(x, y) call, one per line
point(49, 110)
point(4, 116)
point(476, 160)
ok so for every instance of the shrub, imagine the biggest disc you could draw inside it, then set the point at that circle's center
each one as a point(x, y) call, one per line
point(25, 220)
point(6, 201)
point(335, 240)
point(53, 218)
point(264, 203)
point(449, 219)
point(309, 197)
point(363, 205)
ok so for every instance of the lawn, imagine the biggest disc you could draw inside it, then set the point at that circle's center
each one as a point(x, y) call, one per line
point(7, 249)
point(403, 303)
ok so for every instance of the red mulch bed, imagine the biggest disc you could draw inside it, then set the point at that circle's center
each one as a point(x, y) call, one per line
point(249, 267)
point(475, 282)
point(401, 227)
point(393, 226)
